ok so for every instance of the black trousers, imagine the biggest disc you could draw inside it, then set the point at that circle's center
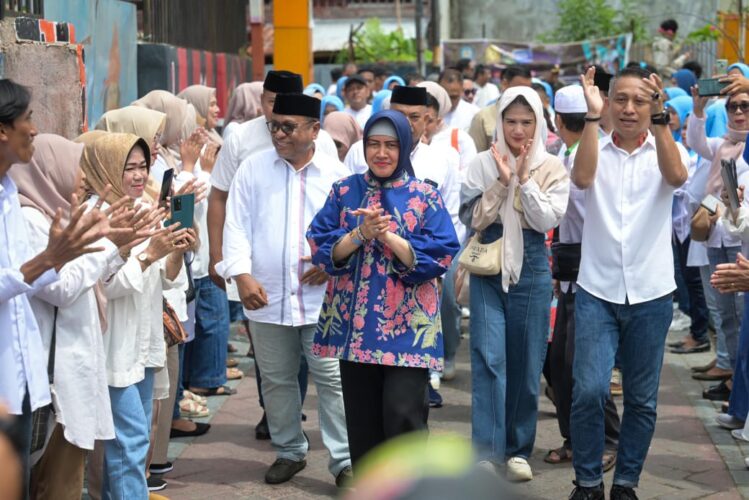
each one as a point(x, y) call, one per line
point(561, 356)
point(382, 402)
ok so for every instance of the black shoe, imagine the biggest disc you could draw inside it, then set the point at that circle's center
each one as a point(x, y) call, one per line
point(200, 429)
point(719, 392)
point(678, 343)
point(583, 493)
point(161, 468)
point(262, 433)
point(283, 469)
point(619, 492)
point(344, 478)
point(435, 400)
point(155, 483)
point(703, 347)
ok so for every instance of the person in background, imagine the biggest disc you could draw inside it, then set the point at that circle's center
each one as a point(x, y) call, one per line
point(367, 74)
point(486, 92)
point(24, 384)
point(336, 74)
point(695, 67)
point(461, 112)
point(344, 131)
point(665, 50)
point(281, 291)
point(484, 125)
point(466, 67)
point(570, 107)
point(684, 79)
point(518, 192)
point(392, 82)
point(412, 79)
point(357, 93)
point(205, 103)
point(469, 90)
point(315, 90)
point(381, 101)
point(330, 104)
point(244, 105)
point(383, 219)
point(381, 73)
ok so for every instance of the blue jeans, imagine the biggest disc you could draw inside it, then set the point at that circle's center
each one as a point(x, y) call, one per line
point(278, 349)
point(450, 312)
point(125, 455)
point(730, 308)
point(738, 405)
point(508, 348)
point(637, 333)
point(206, 355)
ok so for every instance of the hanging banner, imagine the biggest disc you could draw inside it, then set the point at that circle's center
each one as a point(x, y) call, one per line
point(572, 58)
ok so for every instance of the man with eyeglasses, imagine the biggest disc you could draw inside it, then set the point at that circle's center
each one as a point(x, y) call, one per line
point(273, 199)
point(469, 90)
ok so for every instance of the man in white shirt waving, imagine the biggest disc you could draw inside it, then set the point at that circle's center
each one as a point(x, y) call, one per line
point(272, 201)
point(623, 303)
point(24, 384)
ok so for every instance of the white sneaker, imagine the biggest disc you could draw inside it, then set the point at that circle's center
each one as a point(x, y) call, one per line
point(739, 434)
point(518, 470)
point(487, 465)
point(729, 422)
point(680, 322)
point(449, 372)
point(746, 462)
point(434, 380)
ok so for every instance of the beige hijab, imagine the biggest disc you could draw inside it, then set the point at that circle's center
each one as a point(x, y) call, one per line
point(244, 104)
point(483, 174)
point(104, 158)
point(342, 127)
point(175, 110)
point(440, 94)
point(49, 180)
point(200, 97)
point(143, 122)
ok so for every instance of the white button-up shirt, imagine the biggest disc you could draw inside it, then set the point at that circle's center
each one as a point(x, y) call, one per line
point(486, 95)
point(462, 115)
point(23, 363)
point(80, 394)
point(249, 138)
point(361, 116)
point(269, 209)
point(626, 245)
point(466, 146)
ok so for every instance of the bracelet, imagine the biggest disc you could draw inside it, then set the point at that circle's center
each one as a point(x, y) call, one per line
point(361, 234)
point(593, 118)
point(356, 240)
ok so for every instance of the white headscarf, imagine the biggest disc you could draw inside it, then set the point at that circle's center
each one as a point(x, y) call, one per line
point(483, 174)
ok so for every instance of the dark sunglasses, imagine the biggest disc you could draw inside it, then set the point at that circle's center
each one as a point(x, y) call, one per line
point(735, 106)
point(469, 91)
point(286, 127)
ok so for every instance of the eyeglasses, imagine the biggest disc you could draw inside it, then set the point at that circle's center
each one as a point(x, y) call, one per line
point(287, 128)
point(469, 91)
point(735, 106)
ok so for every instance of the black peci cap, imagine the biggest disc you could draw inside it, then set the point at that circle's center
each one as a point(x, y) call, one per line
point(411, 96)
point(297, 105)
point(283, 82)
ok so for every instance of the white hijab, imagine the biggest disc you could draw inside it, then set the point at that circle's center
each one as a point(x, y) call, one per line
point(484, 174)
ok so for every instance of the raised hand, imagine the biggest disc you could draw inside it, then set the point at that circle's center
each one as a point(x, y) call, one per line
point(592, 94)
point(736, 84)
point(654, 85)
point(698, 101)
point(164, 242)
point(208, 158)
point(503, 167)
point(68, 243)
point(522, 167)
point(189, 151)
point(136, 225)
point(375, 224)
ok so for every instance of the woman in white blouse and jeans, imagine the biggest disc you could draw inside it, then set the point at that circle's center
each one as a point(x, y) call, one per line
point(134, 342)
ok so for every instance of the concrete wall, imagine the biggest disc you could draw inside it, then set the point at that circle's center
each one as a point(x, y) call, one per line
point(52, 74)
point(523, 21)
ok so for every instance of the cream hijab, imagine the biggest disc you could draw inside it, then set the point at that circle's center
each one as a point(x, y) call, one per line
point(483, 174)
point(244, 104)
point(200, 97)
point(143, 122)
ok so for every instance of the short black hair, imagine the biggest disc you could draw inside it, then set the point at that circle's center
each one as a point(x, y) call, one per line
point(433, 103)
point(515, 70)
point(335, 74)
point(14, 100)
point(539, 88)
point(694, 67)
point(630, 71)
point(574, 122)
point(463, 64)
point(480, 69)
point(451, 75)
point(670, 25)
point(413, 78)
point(365, 69)
point(380, 71)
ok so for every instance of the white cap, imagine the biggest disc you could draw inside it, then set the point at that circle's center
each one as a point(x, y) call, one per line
point(570, 99)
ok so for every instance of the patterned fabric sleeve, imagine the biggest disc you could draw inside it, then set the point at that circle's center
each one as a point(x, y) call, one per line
point(325, 232)
point(434, 247)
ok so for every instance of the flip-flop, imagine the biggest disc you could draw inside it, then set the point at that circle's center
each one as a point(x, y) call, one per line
point(232, 362)
point(234, 373)
point(564, 455)
point(215, 391)
point(608, 462)
point(231, 348)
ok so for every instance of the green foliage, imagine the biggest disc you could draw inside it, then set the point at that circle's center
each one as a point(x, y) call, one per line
point(707, 33)
point(590, 19)
point(373, 44)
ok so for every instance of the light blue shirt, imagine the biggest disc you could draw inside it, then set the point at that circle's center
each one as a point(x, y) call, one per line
point(23, 363)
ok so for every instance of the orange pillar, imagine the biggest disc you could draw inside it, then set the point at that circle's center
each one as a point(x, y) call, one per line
point(292, 44)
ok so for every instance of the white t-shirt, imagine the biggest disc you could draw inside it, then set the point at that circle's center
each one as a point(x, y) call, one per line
point(485, 95)
point(462, 115)
point(360, 116)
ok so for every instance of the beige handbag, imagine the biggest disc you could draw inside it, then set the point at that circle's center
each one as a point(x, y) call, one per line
point(483, 259)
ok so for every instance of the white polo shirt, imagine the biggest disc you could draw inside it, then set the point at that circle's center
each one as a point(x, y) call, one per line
point(626, 244)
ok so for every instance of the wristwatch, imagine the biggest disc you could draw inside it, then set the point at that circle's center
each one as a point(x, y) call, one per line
point(143, 257)
point(662, 118)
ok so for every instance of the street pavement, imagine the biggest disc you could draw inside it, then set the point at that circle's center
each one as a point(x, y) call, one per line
point(690, 456)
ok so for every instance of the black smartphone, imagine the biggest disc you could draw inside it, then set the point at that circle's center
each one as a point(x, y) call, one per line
point(710, 86)
point(166, 186)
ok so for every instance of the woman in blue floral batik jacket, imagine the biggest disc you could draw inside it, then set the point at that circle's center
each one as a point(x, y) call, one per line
point(385, 237)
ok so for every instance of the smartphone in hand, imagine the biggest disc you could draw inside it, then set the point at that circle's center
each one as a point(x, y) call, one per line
point(166, 187)
point(182, 210)
point(710, 87)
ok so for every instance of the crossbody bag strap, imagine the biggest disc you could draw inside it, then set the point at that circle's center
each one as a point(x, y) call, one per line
point(52, 345)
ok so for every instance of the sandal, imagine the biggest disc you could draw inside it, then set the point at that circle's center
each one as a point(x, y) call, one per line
point(190, 408)
point(234, 374)
point(232, 362)
point(198, 399)
point(215, 391)
point(563, 454)
point(231, 348)
point(609, 461)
